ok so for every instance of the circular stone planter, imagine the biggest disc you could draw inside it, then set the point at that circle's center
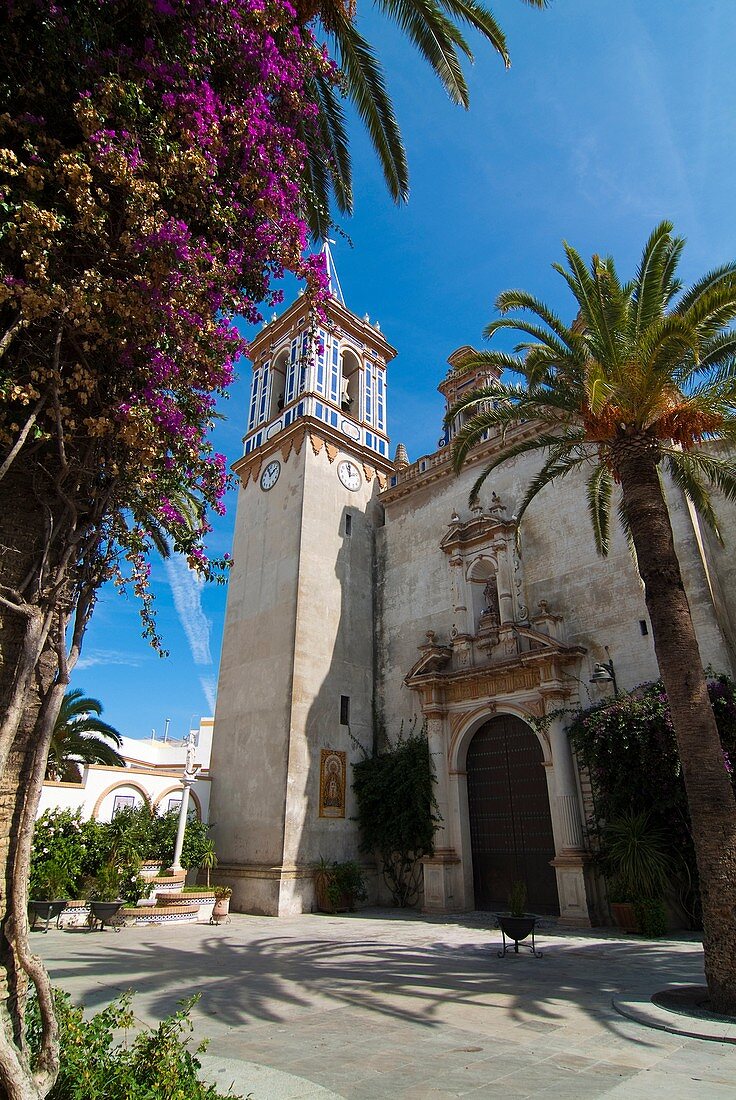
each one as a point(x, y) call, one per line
point(204, 899)
point(165, 914)
point(150, 869)
point(167, 883)
point(76, 914)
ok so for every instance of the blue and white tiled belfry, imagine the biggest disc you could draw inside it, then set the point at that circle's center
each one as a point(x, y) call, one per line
point(337, 374)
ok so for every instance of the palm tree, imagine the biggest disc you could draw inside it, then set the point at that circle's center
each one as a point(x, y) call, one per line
point(432, 26)
point(642, 383)
point(78, 735)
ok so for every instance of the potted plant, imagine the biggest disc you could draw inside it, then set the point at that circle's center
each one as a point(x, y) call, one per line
point(338, 886)
point(638, 870)
point(221, 908)
point(208, 859)
point(517, 924)
point(103, 894)
point(51, 885)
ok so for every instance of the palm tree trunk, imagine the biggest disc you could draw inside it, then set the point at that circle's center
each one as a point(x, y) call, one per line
point(709, 791)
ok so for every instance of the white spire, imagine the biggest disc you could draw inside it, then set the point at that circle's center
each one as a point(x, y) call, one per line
point(332, 276)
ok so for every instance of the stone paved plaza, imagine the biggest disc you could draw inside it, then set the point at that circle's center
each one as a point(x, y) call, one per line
point(376, 1005)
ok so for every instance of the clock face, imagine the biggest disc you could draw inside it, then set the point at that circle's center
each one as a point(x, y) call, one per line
point(270, 475)
point(349, 475)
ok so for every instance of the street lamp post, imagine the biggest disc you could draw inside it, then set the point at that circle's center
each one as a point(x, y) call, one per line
point(191, 771)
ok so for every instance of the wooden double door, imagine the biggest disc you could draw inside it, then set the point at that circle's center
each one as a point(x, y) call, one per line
point(510, 822)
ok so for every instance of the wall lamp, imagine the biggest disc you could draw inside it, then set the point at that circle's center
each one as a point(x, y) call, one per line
point(604, 673)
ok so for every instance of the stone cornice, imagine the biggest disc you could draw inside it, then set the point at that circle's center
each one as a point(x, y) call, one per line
point(341, 321)
point(319, 435)
point(541, 670)
point(438, 466)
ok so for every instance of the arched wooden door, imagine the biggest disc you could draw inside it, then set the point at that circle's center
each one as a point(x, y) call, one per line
point(510, 823)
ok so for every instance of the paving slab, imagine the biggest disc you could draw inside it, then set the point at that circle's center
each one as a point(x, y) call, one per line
point(385, 1004)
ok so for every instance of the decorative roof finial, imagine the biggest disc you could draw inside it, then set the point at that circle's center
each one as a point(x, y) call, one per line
point(401, 458)
point(333, 279)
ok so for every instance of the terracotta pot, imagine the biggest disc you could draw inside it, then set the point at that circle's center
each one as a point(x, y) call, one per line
point(220, 911)
point(624, 914)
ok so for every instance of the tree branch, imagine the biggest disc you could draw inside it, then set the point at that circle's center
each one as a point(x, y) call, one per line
point(12, 454)
point(11, 333)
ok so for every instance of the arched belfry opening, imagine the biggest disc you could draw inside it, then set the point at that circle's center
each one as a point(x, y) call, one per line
point(278, 384)
point(509, 815)
point(350, 385)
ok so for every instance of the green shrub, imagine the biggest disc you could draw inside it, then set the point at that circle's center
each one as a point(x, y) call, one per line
point(651, 916)
point(64, 845)
point(340, 884)
point(517, 899)
point(58, 852)
point(155, 1064)
point(628, 745)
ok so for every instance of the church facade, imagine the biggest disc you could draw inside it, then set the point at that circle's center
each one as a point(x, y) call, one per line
point(365, 592)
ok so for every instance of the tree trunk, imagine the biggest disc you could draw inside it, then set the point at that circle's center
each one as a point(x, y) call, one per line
point(28, 668)
point(707, 783)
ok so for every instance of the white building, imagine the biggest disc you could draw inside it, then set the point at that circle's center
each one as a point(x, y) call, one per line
point(365, 590)
point(152, 775)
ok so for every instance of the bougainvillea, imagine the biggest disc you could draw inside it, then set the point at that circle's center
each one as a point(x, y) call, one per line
point(628, 746)
point(151, 153)
point(148, 196)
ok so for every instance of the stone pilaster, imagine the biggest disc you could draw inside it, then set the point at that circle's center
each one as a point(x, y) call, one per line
point(571, 858)
point(440, 868)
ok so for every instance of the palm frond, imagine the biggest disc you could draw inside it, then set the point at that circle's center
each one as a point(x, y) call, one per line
point(520, 299)
point(366, 87)
point(558, 466)
point(487, 358)
point(718, 472)
point(600, 491)
point(482, 20)
point(437, 40)
point(549, 339)
point(328, 169)
point(711, 280)
point(649, 289)
point(686, 476)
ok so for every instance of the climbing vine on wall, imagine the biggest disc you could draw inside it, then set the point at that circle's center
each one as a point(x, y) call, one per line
point(628, 746)
point(397, 810)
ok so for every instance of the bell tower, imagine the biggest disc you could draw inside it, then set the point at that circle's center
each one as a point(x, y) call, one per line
point(295, 694)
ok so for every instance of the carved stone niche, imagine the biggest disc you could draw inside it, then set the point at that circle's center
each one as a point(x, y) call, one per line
point(486, 580)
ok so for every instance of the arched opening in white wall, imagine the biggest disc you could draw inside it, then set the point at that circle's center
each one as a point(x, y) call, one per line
point(350, 385)
point(118, 796)
point(170, 799)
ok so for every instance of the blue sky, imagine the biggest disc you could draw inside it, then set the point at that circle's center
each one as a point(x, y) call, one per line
point(614, 115)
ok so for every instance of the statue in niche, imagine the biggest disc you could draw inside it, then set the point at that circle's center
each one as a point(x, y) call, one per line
point(490, 597)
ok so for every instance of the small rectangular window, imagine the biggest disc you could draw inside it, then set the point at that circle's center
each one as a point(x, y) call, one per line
point(348, 525)
point(344, 710)
point(643, 627)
